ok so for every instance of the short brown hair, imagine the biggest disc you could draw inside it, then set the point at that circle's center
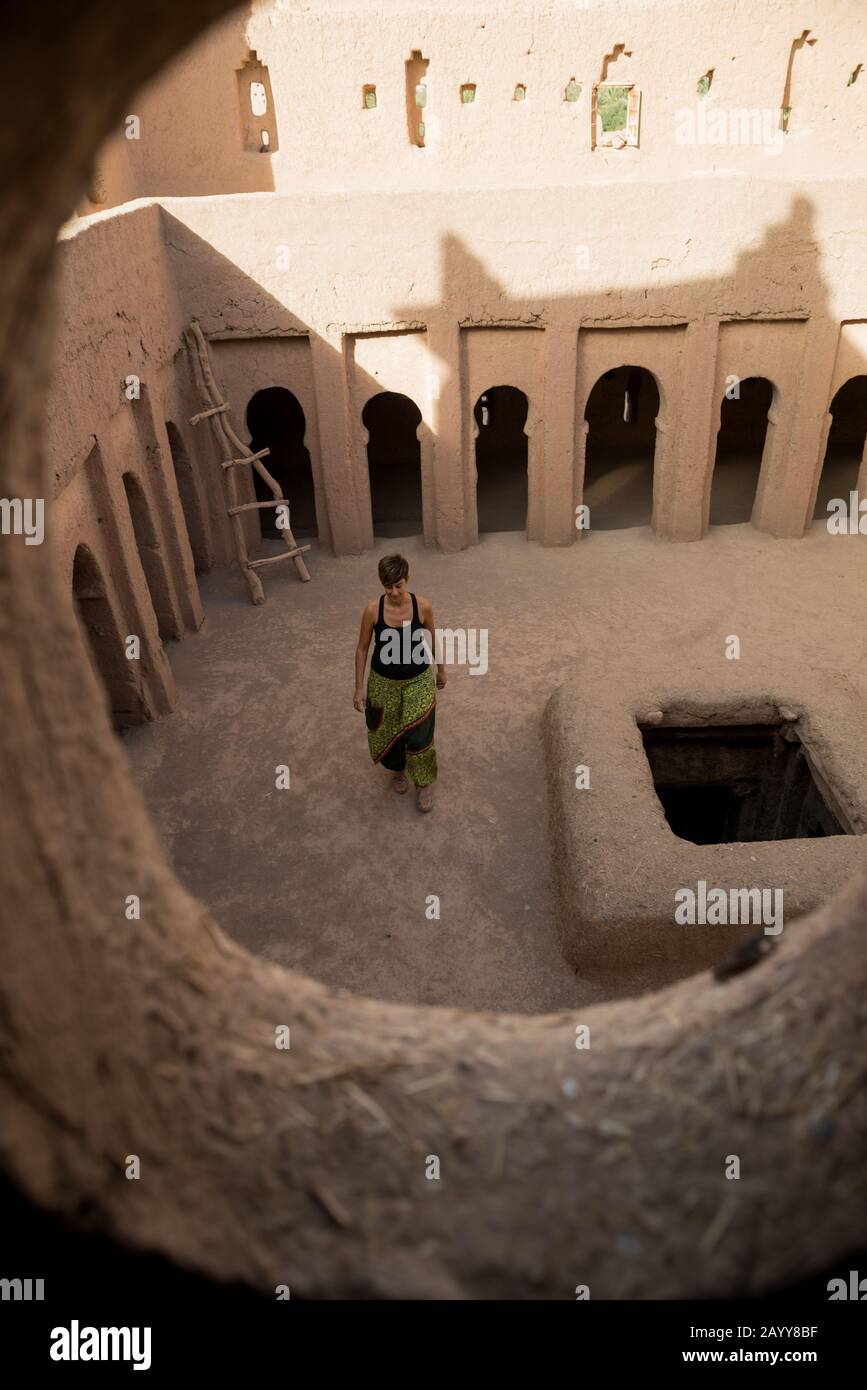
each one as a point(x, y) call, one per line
point(393, 568)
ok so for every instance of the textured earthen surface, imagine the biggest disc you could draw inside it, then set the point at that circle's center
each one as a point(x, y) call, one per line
point(156, 1037)
point(624, 612)
point(618, 865)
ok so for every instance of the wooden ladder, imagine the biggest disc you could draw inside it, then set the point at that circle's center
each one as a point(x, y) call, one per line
point(235, 455)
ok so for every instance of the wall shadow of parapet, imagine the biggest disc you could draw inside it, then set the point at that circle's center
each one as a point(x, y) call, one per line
point(167, 141)
point(698, 337)
point(691, 339)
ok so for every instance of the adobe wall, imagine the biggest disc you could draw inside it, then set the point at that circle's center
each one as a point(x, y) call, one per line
point(324, 137)
point(133, 1027)
point(118, 321)
point(738, 297)
point(456, 305)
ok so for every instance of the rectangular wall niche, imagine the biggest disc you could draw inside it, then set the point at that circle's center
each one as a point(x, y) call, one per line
point(727, 783)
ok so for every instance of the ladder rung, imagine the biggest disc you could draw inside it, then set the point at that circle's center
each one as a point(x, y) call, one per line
point(257, 506)
point(223, 429)
point(248, 458)
point(206, 414)
point(275, 559)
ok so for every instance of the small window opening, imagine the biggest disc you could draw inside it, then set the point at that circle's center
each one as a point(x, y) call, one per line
point(616, 111)
point(257, 105)
point(368, 96)
point(468, 93)
point(520, 93)
point(416, 97)
point(573, 90)
point(611, 106)
point(703, 86)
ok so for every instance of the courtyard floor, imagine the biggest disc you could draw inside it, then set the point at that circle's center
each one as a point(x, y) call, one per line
point(332, 876)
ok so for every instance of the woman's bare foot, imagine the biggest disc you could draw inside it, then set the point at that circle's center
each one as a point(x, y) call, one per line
point(400, 783)
point(425, 798)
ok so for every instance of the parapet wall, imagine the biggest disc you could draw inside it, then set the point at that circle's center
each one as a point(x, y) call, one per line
point(767, 87)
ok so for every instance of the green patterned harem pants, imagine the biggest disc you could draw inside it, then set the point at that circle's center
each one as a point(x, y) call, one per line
point(400, 718)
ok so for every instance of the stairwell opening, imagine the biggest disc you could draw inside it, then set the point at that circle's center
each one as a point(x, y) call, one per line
point(727, 783)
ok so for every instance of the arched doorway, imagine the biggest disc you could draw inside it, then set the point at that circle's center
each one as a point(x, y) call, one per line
point(394, 464)
point(105, 642)
point(275, 421)
point(151, 556)
point(501, 459)
point(844, 451)
point(190, 504)
point(621, 416)
point(740, 446)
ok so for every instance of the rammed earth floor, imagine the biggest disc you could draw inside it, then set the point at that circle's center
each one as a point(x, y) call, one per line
point(331, 876)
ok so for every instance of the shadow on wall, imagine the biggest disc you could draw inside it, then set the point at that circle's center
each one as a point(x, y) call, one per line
point(198, 138)
point(373, 471)
point(658, 437)
point(118, 577)
point(717, 452)
point(628, 461)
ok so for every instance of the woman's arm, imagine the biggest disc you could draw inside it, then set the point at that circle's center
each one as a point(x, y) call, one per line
point(361, 651)
point(425, 612)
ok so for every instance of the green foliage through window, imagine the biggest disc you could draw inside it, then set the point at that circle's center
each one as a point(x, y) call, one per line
point(611, 104)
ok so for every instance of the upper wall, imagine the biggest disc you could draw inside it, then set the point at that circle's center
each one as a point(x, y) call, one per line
point(762, 59)
point(734, 248)
point(118, 315)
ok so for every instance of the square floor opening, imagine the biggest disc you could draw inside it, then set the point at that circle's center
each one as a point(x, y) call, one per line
point(721, 783)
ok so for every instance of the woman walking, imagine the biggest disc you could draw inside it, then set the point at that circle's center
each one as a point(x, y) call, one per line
point(400, 704)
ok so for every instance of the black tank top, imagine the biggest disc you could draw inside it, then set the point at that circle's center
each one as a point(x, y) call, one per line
point(397, 651)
